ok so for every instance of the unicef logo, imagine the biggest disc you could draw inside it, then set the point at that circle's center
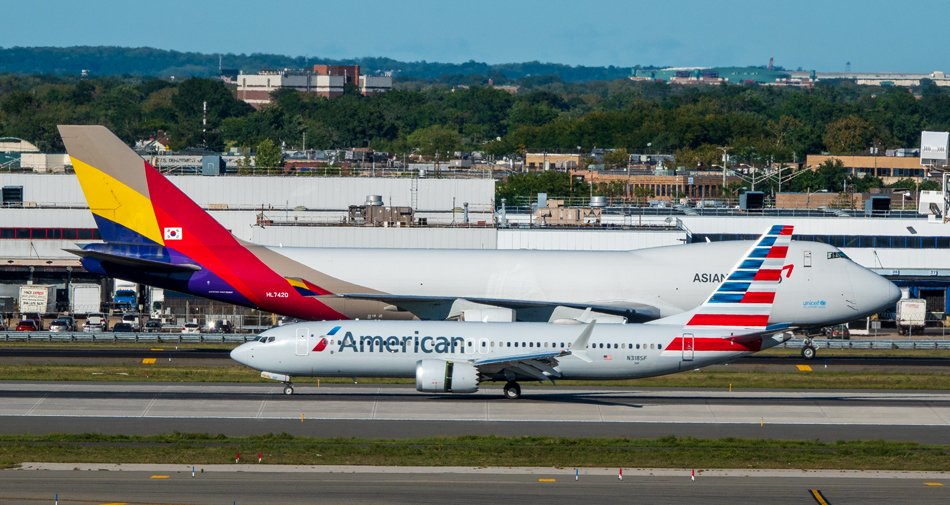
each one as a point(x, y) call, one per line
point(814, 304)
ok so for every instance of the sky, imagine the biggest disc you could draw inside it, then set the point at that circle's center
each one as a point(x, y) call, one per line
point(873, 35)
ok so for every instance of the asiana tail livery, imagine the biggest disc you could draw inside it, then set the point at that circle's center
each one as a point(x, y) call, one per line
point(455, 357)
point(155, 234)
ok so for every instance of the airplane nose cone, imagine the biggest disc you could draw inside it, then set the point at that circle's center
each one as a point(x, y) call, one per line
point(893, 292)
point(242, 353)
point(882, 293)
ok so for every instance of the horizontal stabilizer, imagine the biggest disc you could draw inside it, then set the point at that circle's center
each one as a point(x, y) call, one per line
point(130, 262)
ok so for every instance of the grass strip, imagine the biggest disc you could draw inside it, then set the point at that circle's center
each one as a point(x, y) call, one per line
point(666, 452)
point(713, 378)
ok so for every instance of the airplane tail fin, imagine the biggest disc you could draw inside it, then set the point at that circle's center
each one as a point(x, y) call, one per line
point(132, 202)
point(743, 301)
point(155, 234)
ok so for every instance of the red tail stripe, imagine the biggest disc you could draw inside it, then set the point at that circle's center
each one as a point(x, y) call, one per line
point(787, 230)
point(758, 297)
point(744, 320)
point(777, 251)
point(767, 275)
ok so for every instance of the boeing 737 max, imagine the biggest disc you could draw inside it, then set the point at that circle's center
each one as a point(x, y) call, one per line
point(154, 234)
point(455, 357)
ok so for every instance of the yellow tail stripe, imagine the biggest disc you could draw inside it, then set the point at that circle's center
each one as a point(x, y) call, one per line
point(117, 202)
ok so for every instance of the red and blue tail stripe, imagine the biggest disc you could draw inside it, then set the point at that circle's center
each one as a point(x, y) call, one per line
point(744, 299)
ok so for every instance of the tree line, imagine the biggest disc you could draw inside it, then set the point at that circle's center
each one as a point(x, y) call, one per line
point(758, 124)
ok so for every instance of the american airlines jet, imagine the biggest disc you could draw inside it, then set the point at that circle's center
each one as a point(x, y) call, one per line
point(154, 234)
point(455, 357)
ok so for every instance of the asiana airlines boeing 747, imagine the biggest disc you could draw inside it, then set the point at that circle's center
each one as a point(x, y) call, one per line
point(156, 235)
point(456, 357)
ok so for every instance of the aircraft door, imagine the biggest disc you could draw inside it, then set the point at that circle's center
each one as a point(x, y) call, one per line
point(483, 346)
point(689, 343)
point(303, 341)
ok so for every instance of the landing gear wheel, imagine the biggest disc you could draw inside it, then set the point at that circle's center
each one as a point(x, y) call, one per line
point(808, 352)
point(512, 390)
point(289, 389)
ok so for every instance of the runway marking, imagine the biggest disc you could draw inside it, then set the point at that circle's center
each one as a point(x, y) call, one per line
point(158, 477)
point(149, 361)
point(547, 480)
point(934, 484)
point(157, 349)
point(115, 503)
point(36, 404)
point(820, 498)
point(375, 404)
point(260, 411)
point(149, 406)
point(803, 368)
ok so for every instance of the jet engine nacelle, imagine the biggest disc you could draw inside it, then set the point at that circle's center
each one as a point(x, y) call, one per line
point(441, 376)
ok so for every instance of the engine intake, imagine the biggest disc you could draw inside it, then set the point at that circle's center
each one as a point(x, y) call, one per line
point(441, 376)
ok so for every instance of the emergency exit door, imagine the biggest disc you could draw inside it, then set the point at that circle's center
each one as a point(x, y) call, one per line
point(689, 343)
point(303, 341)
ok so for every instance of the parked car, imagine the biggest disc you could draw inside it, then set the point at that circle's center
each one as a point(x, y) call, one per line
point(191, 328)
point(61, 324)
point(36, 318)
point(95, 322)
point(123, 328)
point(153, 326)
point(27, 325)
point(221, 326)
point(837, 331)
point(133, 321)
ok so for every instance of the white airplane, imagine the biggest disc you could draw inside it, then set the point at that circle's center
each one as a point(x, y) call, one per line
point(455, 357)
point(154, 234)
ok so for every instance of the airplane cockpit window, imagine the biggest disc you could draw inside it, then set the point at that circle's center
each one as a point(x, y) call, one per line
point(271, 339)
point(837, 254)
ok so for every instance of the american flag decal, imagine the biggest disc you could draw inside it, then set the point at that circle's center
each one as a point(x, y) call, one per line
point(744, 299)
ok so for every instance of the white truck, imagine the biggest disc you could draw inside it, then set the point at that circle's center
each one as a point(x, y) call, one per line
point(156, 302)
point(39, 299)
point(911, 315)
point(84, 298)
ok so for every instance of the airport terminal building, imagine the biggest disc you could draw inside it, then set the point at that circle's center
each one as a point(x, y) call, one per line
point(44, 215)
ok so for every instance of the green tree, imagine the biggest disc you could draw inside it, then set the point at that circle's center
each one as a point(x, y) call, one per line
point(435, 140)
point(617, 158)
point(268, 155)
point(528, 185)
point(848, 135)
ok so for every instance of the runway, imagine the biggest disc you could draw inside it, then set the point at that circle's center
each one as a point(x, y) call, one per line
point(401, 412)
point(246, 484)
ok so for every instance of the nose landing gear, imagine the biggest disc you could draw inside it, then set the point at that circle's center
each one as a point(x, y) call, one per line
point(808, 349)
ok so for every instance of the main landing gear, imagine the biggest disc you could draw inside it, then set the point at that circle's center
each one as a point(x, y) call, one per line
point(288, 388)
point(512, 390)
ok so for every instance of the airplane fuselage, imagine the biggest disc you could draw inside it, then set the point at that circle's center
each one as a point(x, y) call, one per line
point(820, 286)
point(394, 348)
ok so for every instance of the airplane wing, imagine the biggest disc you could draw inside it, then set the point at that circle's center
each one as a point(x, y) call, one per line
point(541, 366)
point(441, 307)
